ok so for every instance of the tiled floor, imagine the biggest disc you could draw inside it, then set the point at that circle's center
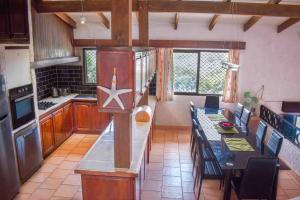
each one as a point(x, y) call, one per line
point(168, 175)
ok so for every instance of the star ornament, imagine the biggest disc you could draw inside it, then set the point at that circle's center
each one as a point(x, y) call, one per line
point(113, 92)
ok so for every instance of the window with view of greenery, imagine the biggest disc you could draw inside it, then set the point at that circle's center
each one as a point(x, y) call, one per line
point(89, 63)
point(199, 72)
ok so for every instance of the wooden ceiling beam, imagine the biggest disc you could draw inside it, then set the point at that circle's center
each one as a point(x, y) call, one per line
point(277, 10)
point(215, 18)
point(103, 19)
point(254, 19)
point(287, 24)
point(143, 20)
point(168, 43)
point(67, 19)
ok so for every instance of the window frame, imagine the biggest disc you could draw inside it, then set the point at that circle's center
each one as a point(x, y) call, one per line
point(84, 74)
point(198, 70)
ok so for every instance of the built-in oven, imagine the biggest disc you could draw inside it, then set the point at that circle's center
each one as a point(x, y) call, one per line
point(21, 105)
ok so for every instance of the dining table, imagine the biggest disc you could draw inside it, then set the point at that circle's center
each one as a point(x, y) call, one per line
point(229, 159)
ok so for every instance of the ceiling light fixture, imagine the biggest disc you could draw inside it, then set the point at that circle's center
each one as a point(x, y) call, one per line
point(82, 18)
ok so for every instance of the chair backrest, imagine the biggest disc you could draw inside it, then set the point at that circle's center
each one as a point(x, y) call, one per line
point(193, 113)
point(192, 105)
point(200, 141)
point(259, 178)
point(238, 110)
point(260, 136)
point(274, 143)
point(212, 101)
point(245, 117)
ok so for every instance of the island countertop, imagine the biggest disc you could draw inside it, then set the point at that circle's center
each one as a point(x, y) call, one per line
point(99, 160)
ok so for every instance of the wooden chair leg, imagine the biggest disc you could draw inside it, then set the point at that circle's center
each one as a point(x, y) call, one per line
point(199, 190)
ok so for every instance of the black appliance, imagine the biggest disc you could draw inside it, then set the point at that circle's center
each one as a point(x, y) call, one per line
point(29, 151)
point(21, 105)
point(44, 105)
point(9, 181)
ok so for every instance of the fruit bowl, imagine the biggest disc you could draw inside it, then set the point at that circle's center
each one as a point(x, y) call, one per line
point(226, 125)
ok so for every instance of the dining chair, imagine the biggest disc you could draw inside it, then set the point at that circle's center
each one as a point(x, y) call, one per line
point(260, 136)
point(212, 101)
point(238, 111)
point(206, 168)
point(245, 117)
point(274, 144)
point(259, 179)
point(192, 104)
point(195, 126)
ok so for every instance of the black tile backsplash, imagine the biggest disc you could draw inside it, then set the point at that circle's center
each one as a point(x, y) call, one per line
point(61, 76)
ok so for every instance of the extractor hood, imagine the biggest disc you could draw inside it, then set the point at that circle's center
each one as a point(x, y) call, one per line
point(54, 61)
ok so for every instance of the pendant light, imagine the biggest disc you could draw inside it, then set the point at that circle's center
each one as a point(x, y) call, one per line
point(82, 18)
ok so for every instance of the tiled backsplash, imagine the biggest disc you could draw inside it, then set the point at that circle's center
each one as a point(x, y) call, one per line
point(61, 76)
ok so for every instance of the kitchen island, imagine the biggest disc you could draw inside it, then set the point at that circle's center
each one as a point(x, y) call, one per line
point(100, 178)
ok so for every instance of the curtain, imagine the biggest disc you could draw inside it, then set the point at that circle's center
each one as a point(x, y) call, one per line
point(165, 74)
point(231, 82)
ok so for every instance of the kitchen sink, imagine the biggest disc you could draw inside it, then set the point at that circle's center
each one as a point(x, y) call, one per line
point(83, 96)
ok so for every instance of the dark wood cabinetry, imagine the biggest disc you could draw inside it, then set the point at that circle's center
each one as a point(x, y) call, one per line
point(68, 120)
point(88, 119)
point(58, 124)
point(14, 21)
point(47, 135)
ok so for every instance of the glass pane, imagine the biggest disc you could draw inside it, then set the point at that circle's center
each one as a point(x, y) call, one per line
point(23, 108)
point(90, 66)
point(212, 74)
point(185, 71)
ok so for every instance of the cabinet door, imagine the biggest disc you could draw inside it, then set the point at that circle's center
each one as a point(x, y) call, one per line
point(4, 20)
point(18, 19)
point(82, 117)
point(59, 134)
point(68, 120)
point(100, 119)
point(47, 136)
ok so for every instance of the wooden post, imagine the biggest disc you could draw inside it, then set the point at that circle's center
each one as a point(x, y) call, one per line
point(143, 24)
point(121, 34)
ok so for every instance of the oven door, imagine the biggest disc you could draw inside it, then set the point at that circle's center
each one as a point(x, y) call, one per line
point(22, 110)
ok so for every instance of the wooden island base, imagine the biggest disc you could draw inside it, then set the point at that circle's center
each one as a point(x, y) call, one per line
point(101, 180)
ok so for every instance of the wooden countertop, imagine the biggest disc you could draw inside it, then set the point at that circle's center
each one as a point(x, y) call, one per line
point(99, 160)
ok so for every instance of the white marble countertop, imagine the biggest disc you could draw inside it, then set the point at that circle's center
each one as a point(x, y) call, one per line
point(61, 100)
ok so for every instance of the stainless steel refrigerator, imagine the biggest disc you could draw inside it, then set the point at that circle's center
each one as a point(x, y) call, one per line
point(9, 178)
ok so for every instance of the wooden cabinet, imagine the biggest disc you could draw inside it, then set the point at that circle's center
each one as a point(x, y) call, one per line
point(47, 135)
point(82, 116)
point(14, 21)
point(58, 124)
point(68, 120)
point(88, 119)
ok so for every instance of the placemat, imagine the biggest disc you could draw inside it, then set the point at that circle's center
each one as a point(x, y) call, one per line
point(216, 117)
point(221, 130)
point(238, 144)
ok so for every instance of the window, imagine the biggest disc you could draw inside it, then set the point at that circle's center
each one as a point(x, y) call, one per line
point(199, 72)
point(89, 65)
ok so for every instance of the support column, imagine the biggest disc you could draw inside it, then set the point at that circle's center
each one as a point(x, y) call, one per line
point(121, 34)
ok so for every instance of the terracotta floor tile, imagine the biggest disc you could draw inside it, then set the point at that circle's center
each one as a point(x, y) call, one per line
point(189, 196)
point(74, 157)
point(288, 184)
point(42, 194)
point(68, 191)
point(171, 192)
point(73, 179)
point(67, 165)
point(56, 160)
point(39, 177)
point(22, 196)
point(171, 156)
point(187, 176)
point(60, 152)
point(186, 167)
point(151, 195)
point(84, 145)
point(188, 186)
point(78, 196)
point(154, 166)
point(172, 181)
point(81, 150)
point(29, 187)
point(60, 173)
point(67, 147)
point(171, 163)
point(152, 185)
point(51, 183)
point(171, 171)
point(47, 167)
point(293, 193)
point(155, 175)
point(156, 158)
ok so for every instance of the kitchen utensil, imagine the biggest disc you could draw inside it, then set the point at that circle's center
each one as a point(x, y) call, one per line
point(54, 92)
